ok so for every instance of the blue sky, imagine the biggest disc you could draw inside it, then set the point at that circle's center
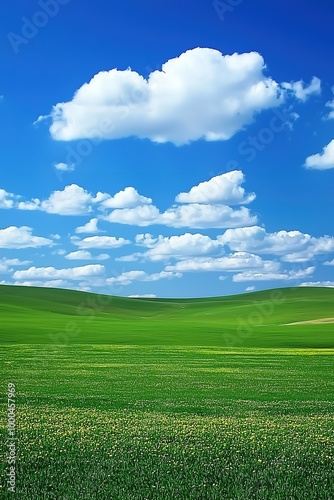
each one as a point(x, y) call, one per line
point(169, 149)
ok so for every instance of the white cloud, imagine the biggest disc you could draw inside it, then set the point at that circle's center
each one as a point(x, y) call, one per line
point(21, 237)
point(200, 94)
point(303, 91)
point(89, 227)
point(128, 258)
point(175, 246)
point(6, 199)
point(200, 216)
point(128, 277)
point(72, 200)
point(50, 273)
point(208, 212)
point(224, 189)
point(323, 160)
point(250, 289)
point(7, 264)
point(234, 262)
point(144, 296)
point(272, 276)
point(329, 284)
point(329, 263)
point(14, 262)
point(128, 198)
point(194, 215)
point(85, 255)
point(100, 242)
point(143, 215)
point(44, 284)
point(64, 167)
point(293, 246)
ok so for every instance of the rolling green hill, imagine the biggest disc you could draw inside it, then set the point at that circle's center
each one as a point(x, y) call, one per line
point(258, 319)
point(213, 398)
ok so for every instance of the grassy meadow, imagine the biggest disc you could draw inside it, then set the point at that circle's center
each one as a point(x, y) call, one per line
point(218, 398)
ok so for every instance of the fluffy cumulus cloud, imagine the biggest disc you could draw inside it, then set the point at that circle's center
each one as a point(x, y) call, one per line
point(301, 90)
point(201, 216)
point(128, 198)
point(128, 277)
point(292, 246)
point(200, 94)
point(72, 200)
point(225, 189)
point(89, 227)
point(273, 276)
point(194, 215)
point(21, 237)
point(204, 206)
point(85, 255)
point(100, 242)
point(178, 247)
point(323, 160)
point(50, 273)
point(233, 262)
point(143, 215)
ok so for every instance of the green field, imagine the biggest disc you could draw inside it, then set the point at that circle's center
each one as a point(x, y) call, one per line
point(216, 398)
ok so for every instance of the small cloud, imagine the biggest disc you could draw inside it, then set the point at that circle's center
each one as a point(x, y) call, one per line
point(326, 284)
point(99, 242)
point(89, 227)
point(64, 167)
point(50, 273)
point(323, 160)
point(72, 200)
point(250, 289)
point(128, 277)
point(41, 118)
point(225, 188)
point(303, 91)
point(22, 237)
point(128, 198)
point(144, 296)
point(85, 255)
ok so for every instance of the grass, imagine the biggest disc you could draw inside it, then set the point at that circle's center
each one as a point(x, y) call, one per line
point(164, 399)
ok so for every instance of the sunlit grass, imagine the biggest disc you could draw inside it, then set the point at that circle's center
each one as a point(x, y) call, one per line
point(162, 407)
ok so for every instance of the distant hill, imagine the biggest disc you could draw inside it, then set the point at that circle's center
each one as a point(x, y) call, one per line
point(258, 319)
